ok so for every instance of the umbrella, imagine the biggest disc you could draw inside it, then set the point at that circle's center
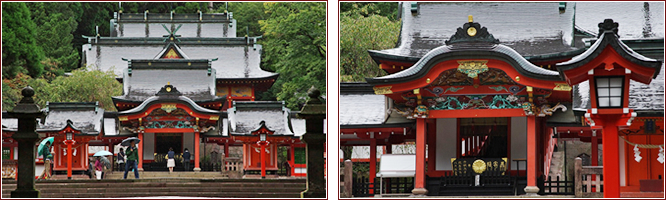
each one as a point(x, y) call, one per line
point(103, 153)
point(40, 148)
point(126, 142)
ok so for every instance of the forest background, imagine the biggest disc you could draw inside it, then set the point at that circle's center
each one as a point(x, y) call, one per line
point(41, 45)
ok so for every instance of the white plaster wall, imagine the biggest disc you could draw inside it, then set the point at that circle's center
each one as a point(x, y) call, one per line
point(148, 146)
point(518, 141)
point(446, 143)
point(623, 162)
point(188, 142)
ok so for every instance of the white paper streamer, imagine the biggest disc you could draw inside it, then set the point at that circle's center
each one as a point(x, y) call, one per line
point(637, 154)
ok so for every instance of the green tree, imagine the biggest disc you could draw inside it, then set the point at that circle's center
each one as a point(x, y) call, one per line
point(366, 9)
point(359, 34)
point(55, 25)
point(82, 86)
point(295, 47)
point(248, 14)
point(20, 52)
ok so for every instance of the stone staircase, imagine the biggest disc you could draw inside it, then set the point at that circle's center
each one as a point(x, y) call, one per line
point(160, 187)
point(557, 165)
point(152, 175)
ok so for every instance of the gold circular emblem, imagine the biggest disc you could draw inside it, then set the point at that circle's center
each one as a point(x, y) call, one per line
point(168, 89)
point(479, 166)
point(471, 31)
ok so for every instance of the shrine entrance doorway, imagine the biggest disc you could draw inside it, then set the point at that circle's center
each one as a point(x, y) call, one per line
point(483, 138)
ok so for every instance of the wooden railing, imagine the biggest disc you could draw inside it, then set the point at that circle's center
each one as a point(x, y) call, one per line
point(584, 183)
point(232, 164)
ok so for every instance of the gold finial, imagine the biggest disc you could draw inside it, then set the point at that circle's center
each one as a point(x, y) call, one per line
point(168, 83)
point(470, 18)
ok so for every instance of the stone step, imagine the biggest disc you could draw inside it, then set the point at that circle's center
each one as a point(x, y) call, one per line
point(174, 194)
point(236, 188)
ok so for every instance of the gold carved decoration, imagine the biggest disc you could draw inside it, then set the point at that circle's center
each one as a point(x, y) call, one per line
point(452, 78)
point(495, 77)
point(168, 107)
point(122, 118)
point(472, 67)
point(562, 87)
point(383, 90)
point(479, 166)
point(214, 118)
point(471, 31)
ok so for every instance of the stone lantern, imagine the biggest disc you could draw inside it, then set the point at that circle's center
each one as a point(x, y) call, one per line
point(314, 113)
point(27, 113)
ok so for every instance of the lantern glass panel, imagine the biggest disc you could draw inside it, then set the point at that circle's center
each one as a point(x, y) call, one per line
point(609, 91)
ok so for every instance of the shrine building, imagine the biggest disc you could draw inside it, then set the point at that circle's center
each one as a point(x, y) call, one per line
point(188, 81)
point(482, 92)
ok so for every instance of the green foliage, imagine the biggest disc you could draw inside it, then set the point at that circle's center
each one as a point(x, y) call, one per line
point(248, 15)
point(295, 47)
point(56, 23)
point(82, 86)
point(359, 34)
point(20, 52)
point(366, 9)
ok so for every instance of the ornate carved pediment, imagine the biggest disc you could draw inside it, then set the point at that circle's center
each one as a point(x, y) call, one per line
point(472, 32)
point(452, 77)
point(495, 77)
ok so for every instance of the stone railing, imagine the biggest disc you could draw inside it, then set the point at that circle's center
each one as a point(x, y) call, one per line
point(588, 172)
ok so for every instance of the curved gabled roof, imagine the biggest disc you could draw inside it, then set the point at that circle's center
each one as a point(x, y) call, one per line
point(608, 38)
point(468, 50)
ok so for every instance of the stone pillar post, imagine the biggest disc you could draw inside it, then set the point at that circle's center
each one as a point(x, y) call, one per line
point(27, 112)
point(314, 113)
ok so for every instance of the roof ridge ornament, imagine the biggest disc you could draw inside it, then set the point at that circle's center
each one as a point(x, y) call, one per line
point(608, 26)
point(168, 91)
point(472, 32)
point(172, 34)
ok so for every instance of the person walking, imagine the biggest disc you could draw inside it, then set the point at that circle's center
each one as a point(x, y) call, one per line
point(186, 160)
point(171, 162)
point(106, 166)
point(46, 154)
point(120, 160)
point(99, 168)
point(132, 160)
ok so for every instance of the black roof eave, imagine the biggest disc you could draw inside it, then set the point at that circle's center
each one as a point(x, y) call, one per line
point(380, 55)
point(466, 54)
point(383, 125)
point(156, 101)
point(274, 76)
point(356, 88)
point(609, 38)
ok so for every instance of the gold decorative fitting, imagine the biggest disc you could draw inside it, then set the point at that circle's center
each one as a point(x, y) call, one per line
point(472, 67)
point(471, 31)
point(470, 18)
point(517, 78)
point(214, 118)
point(562, 87)
point(189, 63)
point(383, 90)
point(150, 63)
point(168, 89)
point(417, 91)
point(428, 80)
point(479, 166)
point(168, 107)
point(122, 118)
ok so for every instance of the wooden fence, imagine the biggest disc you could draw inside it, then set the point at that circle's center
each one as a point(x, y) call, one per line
point(584, 182)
